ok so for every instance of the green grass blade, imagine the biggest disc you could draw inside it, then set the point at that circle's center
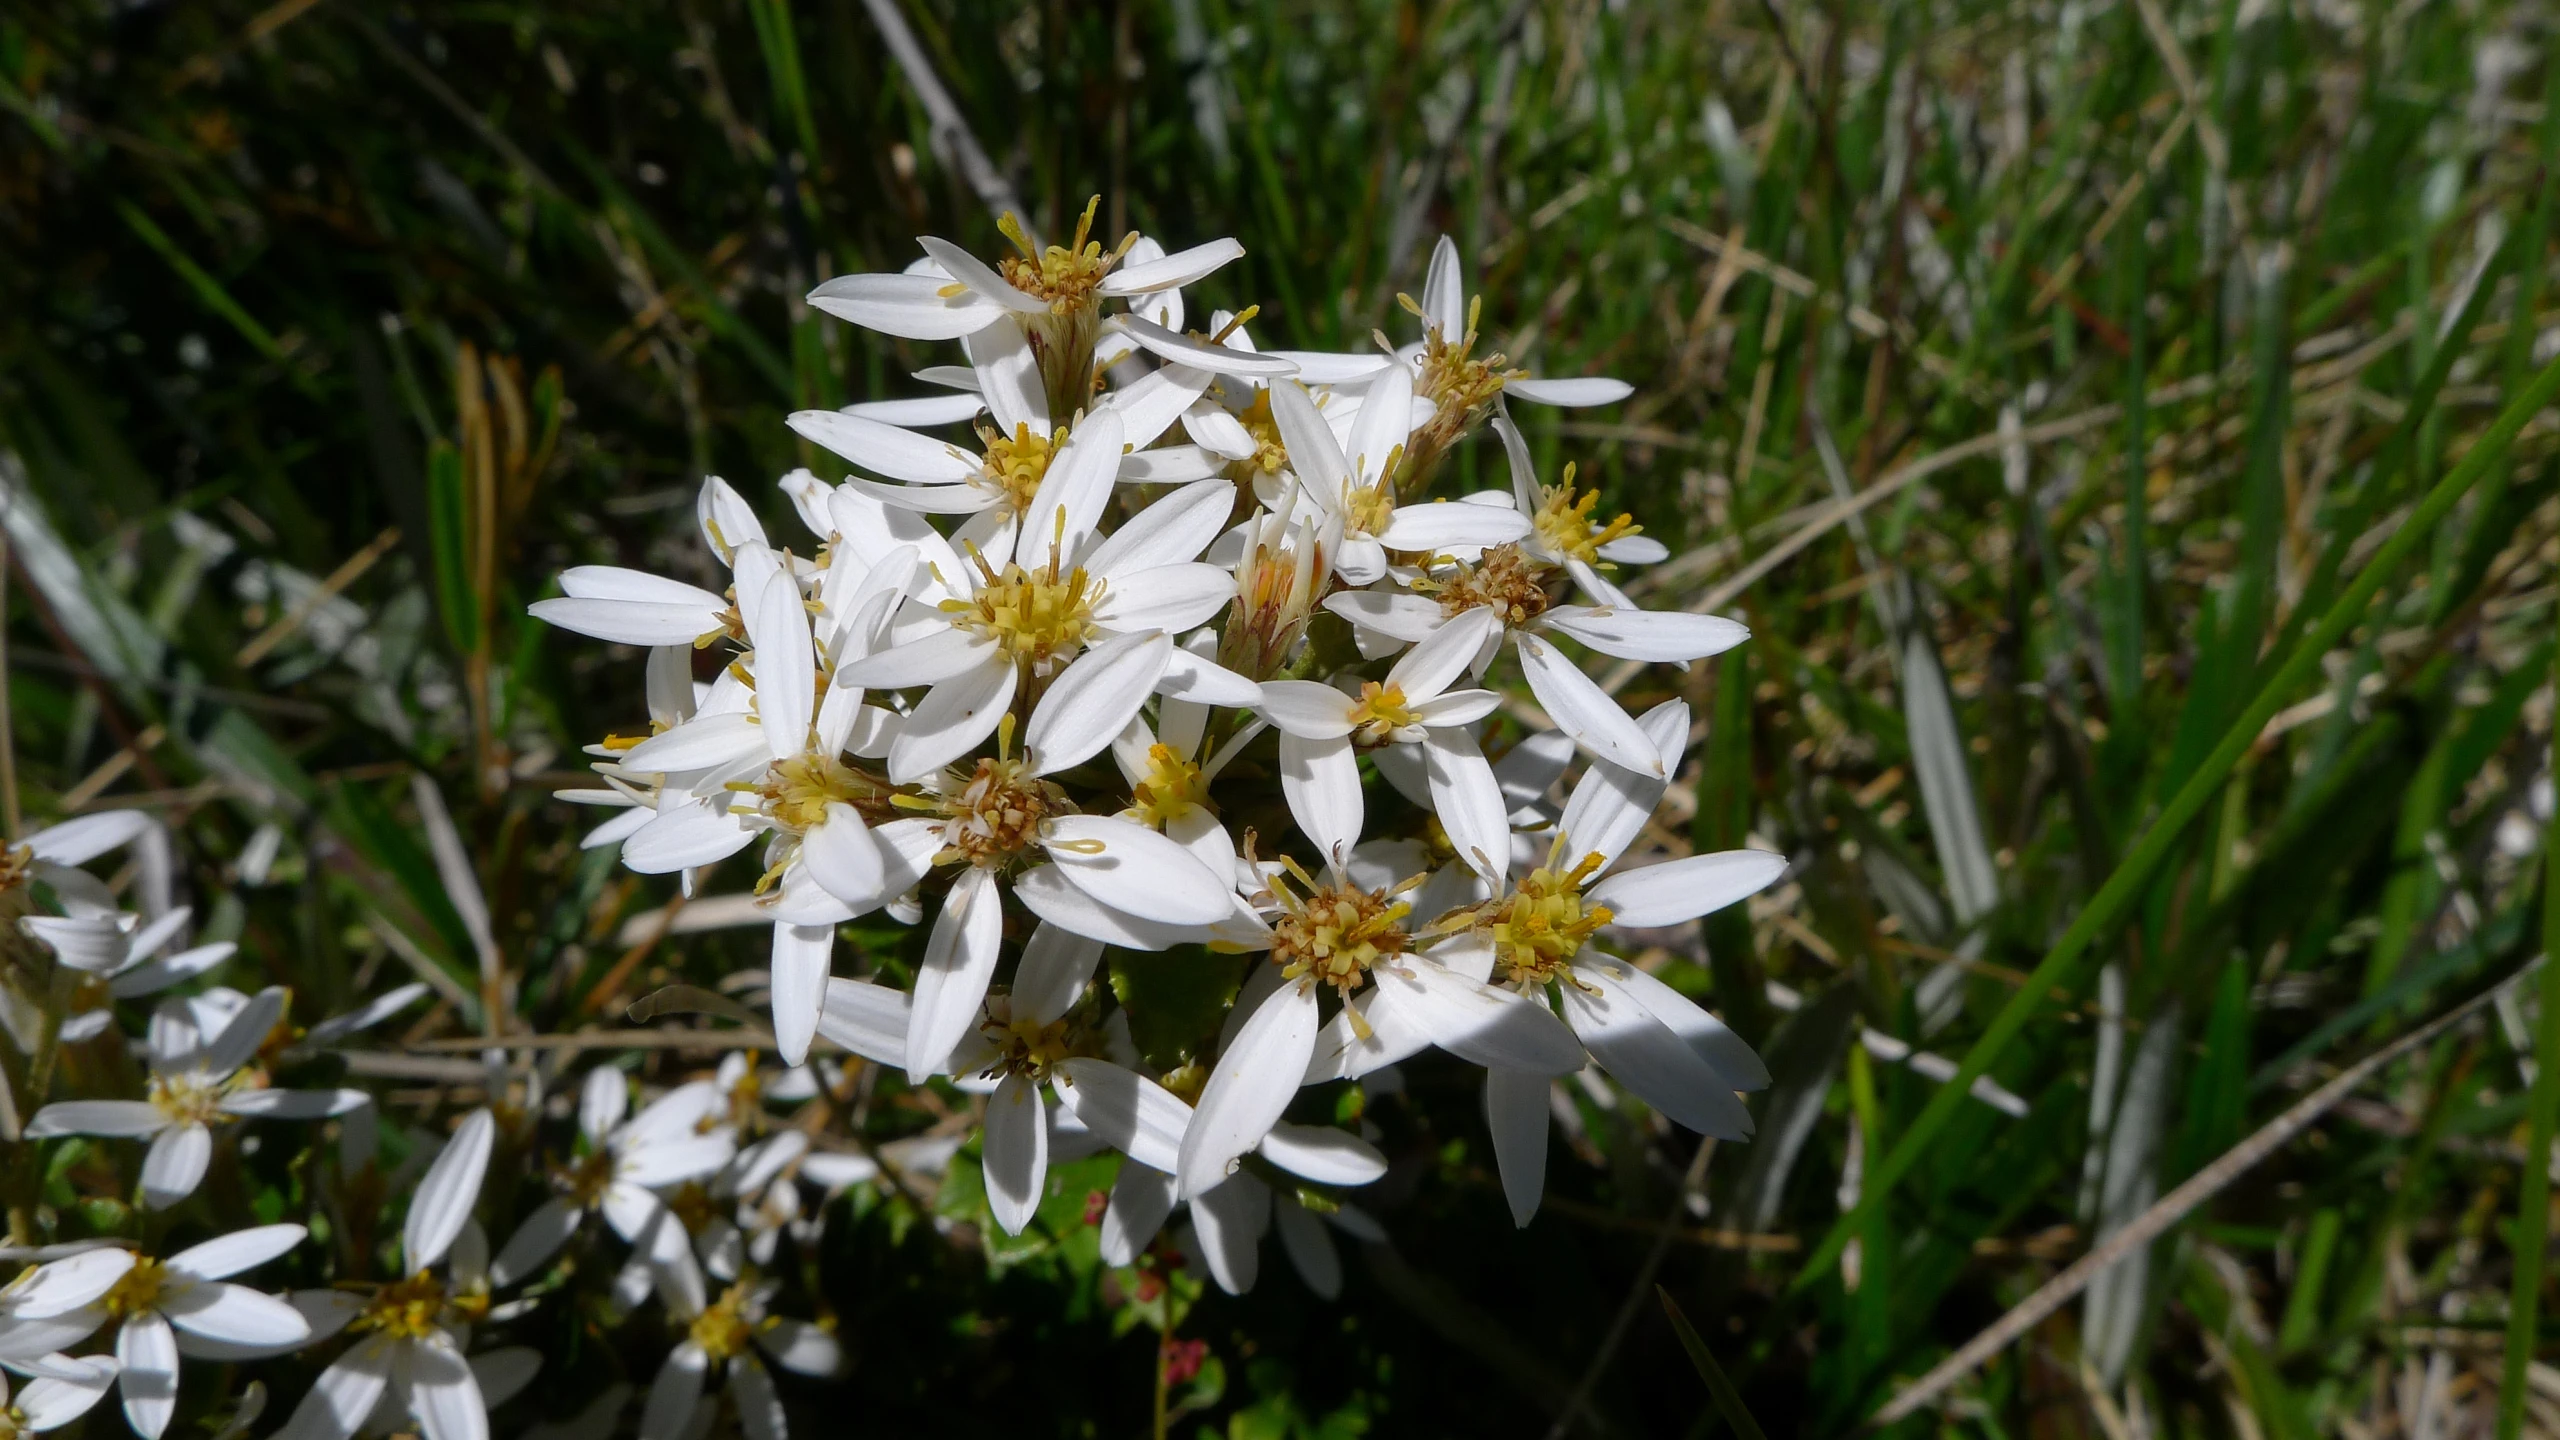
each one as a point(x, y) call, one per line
point(1728, 1400)
point(2061, 966)
point(215, 297)
point(2533, 1197)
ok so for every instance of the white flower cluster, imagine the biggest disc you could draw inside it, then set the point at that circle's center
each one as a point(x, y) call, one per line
point(1103, 670)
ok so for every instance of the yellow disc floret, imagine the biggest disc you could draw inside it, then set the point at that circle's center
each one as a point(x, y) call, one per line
point(1040, 618)
point(1565, 525)
point(1016, 464)
point(996, 816)
point(1337, 934)
point(1506, 581)
point(410, 1309)
point(1173, 789)
point(138, 1290)
point(1382, 714)
point(795, 793)
point(723, 1330)
point(1064, 275)
point(1542, 924)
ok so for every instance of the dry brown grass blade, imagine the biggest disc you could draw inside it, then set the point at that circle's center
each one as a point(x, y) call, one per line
point(2171, 1208)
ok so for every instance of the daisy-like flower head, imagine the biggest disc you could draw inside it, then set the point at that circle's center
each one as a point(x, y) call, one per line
point(1283, 563)
point(409, 1356)
point(198, 1081)
point(732, 1334)
point(682, 1135)
point(1360, 481)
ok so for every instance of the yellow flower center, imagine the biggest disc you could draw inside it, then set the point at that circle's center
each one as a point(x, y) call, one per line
point(1505, 581)
point(410, 1309)
point(192, 1098)
point(1382, 712)
point(1017, 465)
point(587, 1180)
point(724, 1331)
point(1270, 455)
point(1024, 1046)
point(1337, 934)
point(1539, 928)
point(17, 863)
point(1565, 525)
point(139, 1290)
point(1064, 275)
point(998, 814)
point(1173, 788)
point(1366, 511)
point(1041, 619)
point(795, 793)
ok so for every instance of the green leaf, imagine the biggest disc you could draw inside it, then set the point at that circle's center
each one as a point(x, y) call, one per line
point(449, 527)
point(1175, 998)
point(1728, 1400)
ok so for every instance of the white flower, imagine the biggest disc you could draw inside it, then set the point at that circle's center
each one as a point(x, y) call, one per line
point(143, 971)
point(1359, 483)
point(67, 1390)
point(1322, 728)
point(195, 1083)
point(181, 1306)
point(1353, 938)
point(411, 1335)
point(625, 1165)
point(1229, 1219)
point(726, 1334)
point(1537, 938)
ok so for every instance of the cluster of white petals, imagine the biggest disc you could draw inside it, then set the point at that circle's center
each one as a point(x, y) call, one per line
point(1135, 635)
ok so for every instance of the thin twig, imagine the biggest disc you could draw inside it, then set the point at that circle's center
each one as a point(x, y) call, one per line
point(951, 137)
point(2170, 1209)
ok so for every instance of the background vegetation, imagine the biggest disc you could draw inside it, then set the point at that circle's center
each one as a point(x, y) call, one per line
point(2136, 328)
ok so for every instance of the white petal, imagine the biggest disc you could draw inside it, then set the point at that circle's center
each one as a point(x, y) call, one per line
point(1132, 1114)
point(1008, 372)
point(148, 1355)
point(801, 954)
point(443, 1393)
point(364, 1017)
point(1468, 801)
point(1169, 464)
point(84, 838)
point(503, 1373)
point(55, 1400)
point(1436, 527)
point(228, 1255)
point(1140, 1200)
point(1313, 452)
point(1137, 871)
point(175, 1164)
point(886, 449)
point(1490, 1026)
point(1046, 892)
point(1148, 409)
point(942, 655)
point(1324, 1154)
point(293, 1104)
point(1515, 1110)
point(955, 717)
point(536, 1241)
point(1073, 491)
point(869, 1020)
point(1583, 710)
point(1218, 432)
point(925, 410)
point(1167, 597)
point(1405, 617)
point(1457, 707)
point(1172, 531)
point(1641, 1053)
point(1635, 550)
point(445, 1194)
point(1181, 349)
point(1321, 780)
point(1573, 391)
point(751, 1393)
point(1055, 966)
point(1311, 1251)
point(1656, 635)
point(343, 1396)
point(844, 859)
point(1094, 699)
point(959, 960)
point(786, 667)
point(1188, 677)
point(1432, 665)
point(698, 744)
point(1732, 1057)
point(926, 499)
point(1608, 806)
point(1017, 1152)
point(95, 1117)
point(801, 1348)
point(981, 278)
point(1444, 292)
point(1323, 367)
point(1307, 709)
point(613, 582)
point(1250, 1088)
point(627, 622)
point(58, 1287)
point(911, 307)
point(1230, 1221)
point(235, 1314)
point(1686, 888)
point(1182, 267)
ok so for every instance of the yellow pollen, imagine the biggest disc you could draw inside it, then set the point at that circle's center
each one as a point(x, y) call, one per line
point(407, 1309)
point(1506, 580)
point(997, 816)
point(1025, 1047)
point(1017, 464)
point(1539, 928)
point(1565, 525)
point(1381, 713)
point(1271, 455)
point(138, 1290)
point(1064, 275)
point(1368, 511)
point(1041, 619)
point(1336, 935)
point(795, 793)
point(723, 1331)
point(189, 1098)
point(1173, 788)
